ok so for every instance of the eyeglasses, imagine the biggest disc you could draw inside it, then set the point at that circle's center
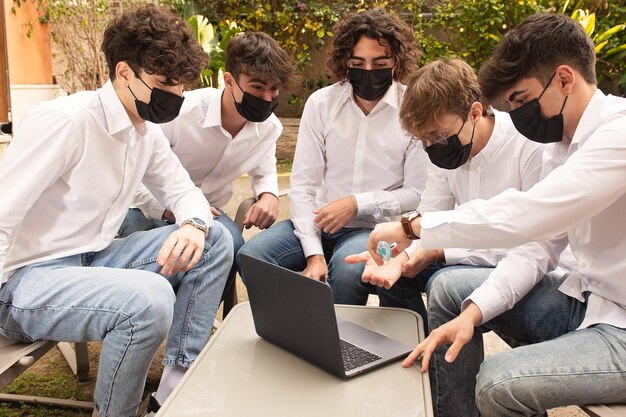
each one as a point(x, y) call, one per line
point(435, 139)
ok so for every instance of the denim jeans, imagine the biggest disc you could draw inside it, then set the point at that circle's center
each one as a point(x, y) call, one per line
point(559, 366)
point(136, 221)
point(280, 246)
point(407, 293)
point(117, 296)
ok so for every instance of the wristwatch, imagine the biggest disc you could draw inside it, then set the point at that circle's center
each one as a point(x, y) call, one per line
point(406, 224)
point(197, 223)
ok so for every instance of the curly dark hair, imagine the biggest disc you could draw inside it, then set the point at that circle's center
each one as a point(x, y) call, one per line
point(534, 48)
point(374, 24)
point(156, 41)
point(257, 54)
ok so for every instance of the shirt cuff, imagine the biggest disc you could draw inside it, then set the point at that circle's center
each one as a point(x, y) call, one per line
point(311, 246)
point(456, 257)
point(488, 301)
point(266, 188)
point(415, 245)
point(366, 203)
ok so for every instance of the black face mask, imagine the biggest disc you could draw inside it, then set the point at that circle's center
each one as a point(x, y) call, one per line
point(163, 107)
point(370, 84)
point(453, 154)
point(254, 108)
point(528, 120)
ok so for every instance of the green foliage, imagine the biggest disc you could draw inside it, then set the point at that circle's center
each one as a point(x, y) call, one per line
point(214, 46)
point(610, 46)
point(469, 29)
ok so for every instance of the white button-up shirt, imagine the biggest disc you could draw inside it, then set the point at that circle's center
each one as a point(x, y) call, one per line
point(341, 152)
point(585, 197)
point(213, 158)
point(71, 172)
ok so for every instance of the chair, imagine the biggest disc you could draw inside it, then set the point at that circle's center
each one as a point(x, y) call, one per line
point(16, 357)
point(230, 292)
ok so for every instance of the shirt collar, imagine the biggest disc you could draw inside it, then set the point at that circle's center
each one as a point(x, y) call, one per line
point(213, 106)
point(599, 109)
point(497, 137)
point(116, 116)
point(213, 118)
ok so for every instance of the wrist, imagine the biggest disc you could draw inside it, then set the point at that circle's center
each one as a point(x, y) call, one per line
point(313, 259)
point(267, 194)
point(354, 204)
point(407, 222)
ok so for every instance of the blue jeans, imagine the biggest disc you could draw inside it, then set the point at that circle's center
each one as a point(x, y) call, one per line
point(280, 246)
point(135, 221)
point(407, 293)
point(117, 296)
point(559, 366)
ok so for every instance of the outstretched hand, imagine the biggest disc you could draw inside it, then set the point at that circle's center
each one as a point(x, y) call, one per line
point(458, 332)
point(384, 276)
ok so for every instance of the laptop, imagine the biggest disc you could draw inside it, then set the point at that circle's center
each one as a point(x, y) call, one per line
point(297, 313)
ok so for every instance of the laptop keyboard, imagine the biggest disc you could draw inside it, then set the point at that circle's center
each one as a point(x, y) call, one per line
point(354, 356)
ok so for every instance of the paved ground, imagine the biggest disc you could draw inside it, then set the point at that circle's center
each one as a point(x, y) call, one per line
point(493, 344)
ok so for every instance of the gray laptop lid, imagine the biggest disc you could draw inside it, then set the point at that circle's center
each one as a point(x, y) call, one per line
point(297, 314)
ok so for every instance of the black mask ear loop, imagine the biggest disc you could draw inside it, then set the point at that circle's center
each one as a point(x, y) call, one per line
point(144, 83)
point(546, 87)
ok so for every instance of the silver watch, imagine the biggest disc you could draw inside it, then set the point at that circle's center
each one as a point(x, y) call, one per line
point(197, 223)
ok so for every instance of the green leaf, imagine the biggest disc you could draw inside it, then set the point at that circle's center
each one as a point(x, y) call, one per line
point(615, 50)
point(609, 33)
point(599, 46)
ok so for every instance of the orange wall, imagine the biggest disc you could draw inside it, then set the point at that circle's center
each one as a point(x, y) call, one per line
point(30, 59)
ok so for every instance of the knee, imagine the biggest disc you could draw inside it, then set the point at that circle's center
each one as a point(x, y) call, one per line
point(220, 240)
point(153, 304)
point(440, 287)
point(495, 388)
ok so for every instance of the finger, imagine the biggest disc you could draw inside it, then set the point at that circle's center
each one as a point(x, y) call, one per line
point(197, 254)
point(454, 350)
point(337, 228)
point(266, 222)
point(166, 249)
point(172, 257)
point(413, 356)
point(260, 219)
point(428, 352)
point(332, 228)
point(183, 259)
point(372, 244)
point(357, 258)
point(253, 214)
point(215, 212)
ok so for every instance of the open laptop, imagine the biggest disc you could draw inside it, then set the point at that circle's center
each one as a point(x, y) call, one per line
point(297, 314)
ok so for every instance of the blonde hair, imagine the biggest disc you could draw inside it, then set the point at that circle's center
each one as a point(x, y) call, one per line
point(441, 87)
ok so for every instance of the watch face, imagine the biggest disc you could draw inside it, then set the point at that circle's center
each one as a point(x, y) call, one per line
point(199, 221)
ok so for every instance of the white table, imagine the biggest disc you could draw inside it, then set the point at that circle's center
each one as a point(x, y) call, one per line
point(240, 374)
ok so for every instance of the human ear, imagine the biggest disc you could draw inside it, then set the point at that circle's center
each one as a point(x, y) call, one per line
point(566, 78)
point(123, 72)
point(476, 111)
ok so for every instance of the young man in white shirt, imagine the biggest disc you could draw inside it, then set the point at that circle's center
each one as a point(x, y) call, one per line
point(223, 133)
point(545, 69)
point(476, 153)
point(66, 182)
point(354, 165)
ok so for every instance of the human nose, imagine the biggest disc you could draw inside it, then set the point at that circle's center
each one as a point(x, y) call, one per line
point(176, 89)
point(268, 95)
